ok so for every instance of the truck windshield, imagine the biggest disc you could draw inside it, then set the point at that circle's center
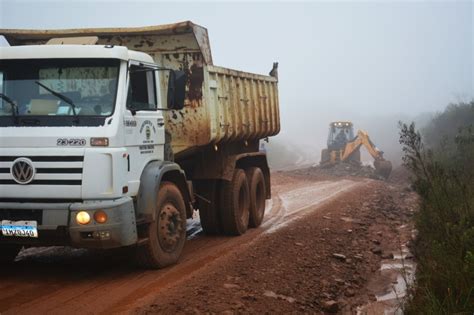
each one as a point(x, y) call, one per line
point(89, 84)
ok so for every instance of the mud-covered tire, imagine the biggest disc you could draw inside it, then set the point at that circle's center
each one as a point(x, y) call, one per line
point(8, 253)
point(234, 204)
point(167, 233)
point(208, 209)
point(325, 157)
point(258, 195)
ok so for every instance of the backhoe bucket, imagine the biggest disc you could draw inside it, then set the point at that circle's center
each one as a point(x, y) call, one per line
point(383, 168)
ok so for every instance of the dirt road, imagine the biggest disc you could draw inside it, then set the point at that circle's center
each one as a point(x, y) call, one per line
point(63, 280)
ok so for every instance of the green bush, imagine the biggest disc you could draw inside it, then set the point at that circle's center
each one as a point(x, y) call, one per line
point(444, 179)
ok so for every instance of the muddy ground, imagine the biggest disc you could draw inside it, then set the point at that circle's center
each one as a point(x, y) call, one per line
point(319, 249)
point(327, 261)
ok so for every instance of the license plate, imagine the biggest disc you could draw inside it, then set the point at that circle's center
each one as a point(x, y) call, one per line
point(19, 228)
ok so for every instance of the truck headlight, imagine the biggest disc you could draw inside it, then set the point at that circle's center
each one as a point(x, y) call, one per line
point(83, 218)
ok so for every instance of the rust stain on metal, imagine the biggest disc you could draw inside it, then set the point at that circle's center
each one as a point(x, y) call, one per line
point(196, 78)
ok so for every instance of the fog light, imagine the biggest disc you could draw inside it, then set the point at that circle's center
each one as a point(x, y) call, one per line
point(100, 216)
point(82, 217)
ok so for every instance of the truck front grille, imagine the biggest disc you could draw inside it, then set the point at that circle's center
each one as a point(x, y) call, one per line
point(50, 170)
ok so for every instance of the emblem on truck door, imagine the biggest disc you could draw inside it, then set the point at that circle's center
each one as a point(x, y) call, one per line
point(23, 171)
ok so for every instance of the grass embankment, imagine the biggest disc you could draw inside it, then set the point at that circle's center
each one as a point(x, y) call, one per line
point(441, 159)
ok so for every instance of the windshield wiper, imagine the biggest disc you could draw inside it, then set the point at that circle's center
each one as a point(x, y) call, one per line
point(59, 95)
point(12, 104)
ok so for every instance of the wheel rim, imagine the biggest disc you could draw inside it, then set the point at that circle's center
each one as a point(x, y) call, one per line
point(169, 228)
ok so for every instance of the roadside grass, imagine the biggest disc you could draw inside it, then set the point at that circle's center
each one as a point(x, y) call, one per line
point(443, 176)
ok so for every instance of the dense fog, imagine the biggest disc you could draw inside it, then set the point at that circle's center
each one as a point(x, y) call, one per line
point(372, 63)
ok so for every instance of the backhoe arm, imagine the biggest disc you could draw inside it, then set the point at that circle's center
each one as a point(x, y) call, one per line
point(382, 166)
point(361, 139)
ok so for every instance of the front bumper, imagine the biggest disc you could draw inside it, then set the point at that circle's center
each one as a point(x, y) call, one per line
point(57, 223)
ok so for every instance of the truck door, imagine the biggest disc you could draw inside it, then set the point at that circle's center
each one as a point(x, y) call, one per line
point(143, 122)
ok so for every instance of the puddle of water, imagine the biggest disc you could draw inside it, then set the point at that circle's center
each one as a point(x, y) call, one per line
point(391, 301)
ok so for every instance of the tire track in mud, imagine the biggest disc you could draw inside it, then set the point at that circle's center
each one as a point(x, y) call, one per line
point(301, 200)
point(89, 284)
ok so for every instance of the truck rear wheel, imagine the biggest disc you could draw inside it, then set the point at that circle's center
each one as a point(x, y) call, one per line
point(257, 196)
point(167, 234)
point(208, 209)
point(8, 253)
point(235, 203)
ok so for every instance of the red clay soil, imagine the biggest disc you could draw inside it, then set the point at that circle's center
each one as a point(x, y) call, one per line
point(321, 263)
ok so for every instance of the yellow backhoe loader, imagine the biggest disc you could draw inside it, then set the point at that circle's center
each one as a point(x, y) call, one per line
point(343, 146)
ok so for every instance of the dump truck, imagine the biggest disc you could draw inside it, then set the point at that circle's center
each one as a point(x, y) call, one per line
point(113, 137)
point(344, 146)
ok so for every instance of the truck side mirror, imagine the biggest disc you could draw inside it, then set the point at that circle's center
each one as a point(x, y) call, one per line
point(176, 89)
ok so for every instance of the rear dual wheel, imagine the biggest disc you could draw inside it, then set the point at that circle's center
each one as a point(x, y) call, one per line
point(243, 201)
point(235, 204)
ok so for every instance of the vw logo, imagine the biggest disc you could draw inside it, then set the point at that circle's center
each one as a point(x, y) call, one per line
point(23, 171)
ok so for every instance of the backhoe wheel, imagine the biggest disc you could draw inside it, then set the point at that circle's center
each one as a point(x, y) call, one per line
point(8, 253)
point(235, 203)
point(208, 209)
point(257, 196)
point(167, 233)
point(325, 157)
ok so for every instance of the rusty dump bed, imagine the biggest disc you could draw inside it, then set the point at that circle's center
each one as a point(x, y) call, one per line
point(222, 105)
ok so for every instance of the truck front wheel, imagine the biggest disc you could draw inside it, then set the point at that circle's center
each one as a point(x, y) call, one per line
point(167, 233)
point(8, 253)
point(235, 203)
point(257, 196)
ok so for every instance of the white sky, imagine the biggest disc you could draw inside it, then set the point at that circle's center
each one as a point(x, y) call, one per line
point(337, 60)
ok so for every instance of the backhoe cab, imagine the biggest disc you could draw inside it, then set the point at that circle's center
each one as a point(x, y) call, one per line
point(343, 146)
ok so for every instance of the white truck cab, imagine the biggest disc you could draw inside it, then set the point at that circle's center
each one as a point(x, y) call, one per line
point(78, 126)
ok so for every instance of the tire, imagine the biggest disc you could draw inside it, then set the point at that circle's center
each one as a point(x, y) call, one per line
point(235, 203)
point(324, 156)
point(167, 234)
point(258, 195)
point(208, 211)
point(8, 253)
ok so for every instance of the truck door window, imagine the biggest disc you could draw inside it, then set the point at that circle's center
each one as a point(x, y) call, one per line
point(141, 89)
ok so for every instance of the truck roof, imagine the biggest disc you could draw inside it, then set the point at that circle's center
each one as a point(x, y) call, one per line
point(72, 51)
point(189, 37)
